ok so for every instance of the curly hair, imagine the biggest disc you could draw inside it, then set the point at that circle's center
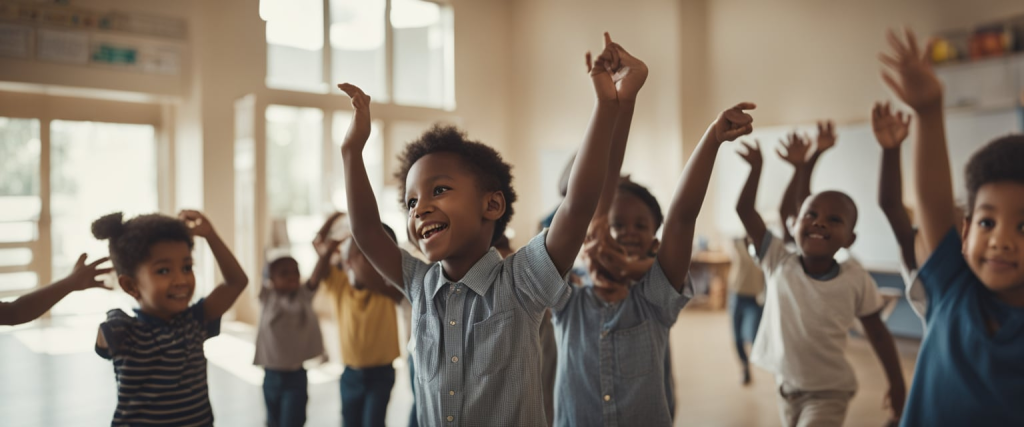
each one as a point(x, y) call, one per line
point(131, 240)
point(627, 185)
point(493, 173)
point(999, 160)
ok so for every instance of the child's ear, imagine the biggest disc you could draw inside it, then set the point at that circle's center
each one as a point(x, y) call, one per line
point(853, 238)
point(655, 245)
point(129, 285)
point(964, 232)
point(494, 205)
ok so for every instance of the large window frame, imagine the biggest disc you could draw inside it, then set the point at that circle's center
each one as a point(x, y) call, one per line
point(327, 86)
point(48, 108)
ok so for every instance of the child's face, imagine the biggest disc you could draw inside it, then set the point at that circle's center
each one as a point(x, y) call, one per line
point(361, 268)
point(993, 241)
point(284, 275)
point(447, 210)
point(632, 224)
point(825, 225)
point(163, 284)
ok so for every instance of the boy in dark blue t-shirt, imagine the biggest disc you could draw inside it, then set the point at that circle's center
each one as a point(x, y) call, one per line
point(971, 367)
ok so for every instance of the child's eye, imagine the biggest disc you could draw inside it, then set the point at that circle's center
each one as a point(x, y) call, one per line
point(411, 203)
point(986, 223)
point(440, 189)
point(835, 219)
point(163, 270)
point(187, 269)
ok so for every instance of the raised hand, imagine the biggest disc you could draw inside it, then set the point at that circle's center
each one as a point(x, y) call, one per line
point(732, 123)
point(890, 129)
point(359, 130)
point(753, 153)
point(796, 149)
point(602, 70)
point(197, 224)
point(83, 276)
point(826, 136)
point(631, 75)
point(914, 81)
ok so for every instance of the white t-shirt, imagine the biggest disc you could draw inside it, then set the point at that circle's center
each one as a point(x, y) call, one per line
point(916, 295)
point(802, 337)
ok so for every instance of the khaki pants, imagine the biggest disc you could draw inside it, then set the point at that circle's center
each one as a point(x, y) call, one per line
point(812, 408)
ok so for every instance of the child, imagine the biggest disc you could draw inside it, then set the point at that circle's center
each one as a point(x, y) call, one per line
point(30, 306)
point(799, 188)
point(890, 131)
point(367, 327)
point(613, 333)
point(475, 316)
point(811, 302)
point(158, 354)
point(969, 370)
point(288, 334)
point(746, 283)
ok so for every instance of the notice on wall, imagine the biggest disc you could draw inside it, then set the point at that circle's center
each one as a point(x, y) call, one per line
point(62, 46)
point(15, 41)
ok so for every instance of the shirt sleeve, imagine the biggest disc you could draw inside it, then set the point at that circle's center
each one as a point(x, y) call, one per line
point(536, 278)
point(940, 271)
point(869, 300)
point(414, 271)
point(335, 281)
point(771, 253)
point(661, 297)
point(211, 328)
point(115, 333)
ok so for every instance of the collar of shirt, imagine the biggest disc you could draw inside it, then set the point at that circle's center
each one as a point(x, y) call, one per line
point(150, 319)
point(479, 278)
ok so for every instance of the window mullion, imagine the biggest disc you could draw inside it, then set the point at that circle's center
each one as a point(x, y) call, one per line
point(389, 51)
point(326, 51)
point(43, 252)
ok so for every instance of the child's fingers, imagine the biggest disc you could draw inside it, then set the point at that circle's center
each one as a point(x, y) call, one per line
point(590, 62)
point(350, 89)
point(896, 43)
point(893, 84)
point(607, 40)
point(780, 153)
point(102, 271)
point(97, 262)
point(81, 261)
point(912, 42)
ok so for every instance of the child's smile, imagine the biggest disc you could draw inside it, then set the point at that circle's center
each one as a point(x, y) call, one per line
point(164, 284)
point(994, 239)
point(825, 225)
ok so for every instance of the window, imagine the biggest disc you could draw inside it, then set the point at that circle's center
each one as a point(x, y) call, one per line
point(398, 51)
point(20, 151)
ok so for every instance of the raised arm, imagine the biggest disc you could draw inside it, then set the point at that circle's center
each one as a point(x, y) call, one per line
point(224, 295)
point(826, 140)
point(915, 83)
point(373, 241)
point(569, 226)
point(885, 348)
point(677, 237)
point(796, 148)
point(323, 264)
point(890, 131)
point(629, 79)
point(322, 240)
point(745, 207)
point(33, 304)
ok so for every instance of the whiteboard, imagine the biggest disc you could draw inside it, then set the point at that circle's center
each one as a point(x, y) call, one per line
point(853, 167)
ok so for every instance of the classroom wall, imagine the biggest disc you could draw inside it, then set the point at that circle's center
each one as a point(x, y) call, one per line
point(552, 95)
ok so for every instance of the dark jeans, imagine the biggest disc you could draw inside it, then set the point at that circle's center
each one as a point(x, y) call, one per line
point(413, 422)
point(285, 395)
point(746, 317)
point(365, 394)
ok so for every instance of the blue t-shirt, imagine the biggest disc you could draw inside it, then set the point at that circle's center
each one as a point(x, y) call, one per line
point(965, 375)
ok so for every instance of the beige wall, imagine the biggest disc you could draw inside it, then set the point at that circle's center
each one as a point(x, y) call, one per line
point(552, 96)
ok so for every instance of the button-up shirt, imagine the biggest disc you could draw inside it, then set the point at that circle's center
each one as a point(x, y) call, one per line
point(611, 357)
point(476, 340)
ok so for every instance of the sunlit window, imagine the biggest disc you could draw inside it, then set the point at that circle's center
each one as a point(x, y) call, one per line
point(20, 151)
point(405, 57)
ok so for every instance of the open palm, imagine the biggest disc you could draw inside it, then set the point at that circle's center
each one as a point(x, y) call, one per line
point(890, 129)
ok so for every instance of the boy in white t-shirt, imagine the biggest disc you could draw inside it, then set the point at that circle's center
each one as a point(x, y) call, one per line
point(811, 303)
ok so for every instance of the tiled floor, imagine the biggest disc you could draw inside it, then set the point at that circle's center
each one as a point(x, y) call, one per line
point(49, 376)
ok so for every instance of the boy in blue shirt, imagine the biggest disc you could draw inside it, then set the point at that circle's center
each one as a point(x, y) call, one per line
point(970, 370)
point(476, 316)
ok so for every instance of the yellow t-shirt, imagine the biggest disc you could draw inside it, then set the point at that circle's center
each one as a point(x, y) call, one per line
point(367, 326)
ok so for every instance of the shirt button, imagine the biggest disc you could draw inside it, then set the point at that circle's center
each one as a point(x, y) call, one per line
point(451, 323)
point(607, 397)
point(455, 359)
point(451, 418)
point(451, 392)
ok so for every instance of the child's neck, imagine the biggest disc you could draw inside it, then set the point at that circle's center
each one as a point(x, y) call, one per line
point(612, 294)
point(1014, 297)
point(159, 314)
point(817, 266)
point(456, 267)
